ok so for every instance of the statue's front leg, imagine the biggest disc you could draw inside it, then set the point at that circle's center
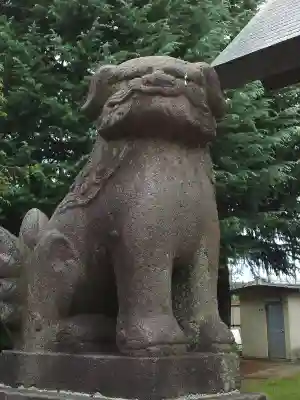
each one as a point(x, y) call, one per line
point(195, 298)
point(146, 324)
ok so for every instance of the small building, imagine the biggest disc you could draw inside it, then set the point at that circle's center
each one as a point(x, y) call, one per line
point(269, 320)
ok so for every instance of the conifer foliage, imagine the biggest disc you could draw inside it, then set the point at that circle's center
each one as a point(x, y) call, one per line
point(47, 50)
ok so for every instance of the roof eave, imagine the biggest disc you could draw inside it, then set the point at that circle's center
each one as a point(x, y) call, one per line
point(276, 66)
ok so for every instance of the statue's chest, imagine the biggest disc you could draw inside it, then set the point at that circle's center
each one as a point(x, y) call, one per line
point(180, 170)
point(168, 179)
point(184, 185)
point(161, 173)
point(170, 188)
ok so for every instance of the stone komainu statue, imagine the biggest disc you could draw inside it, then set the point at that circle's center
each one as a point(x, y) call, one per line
point(130, 256)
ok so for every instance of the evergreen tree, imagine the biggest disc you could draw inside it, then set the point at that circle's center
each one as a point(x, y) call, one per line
point(4, 182)
point(48, 48)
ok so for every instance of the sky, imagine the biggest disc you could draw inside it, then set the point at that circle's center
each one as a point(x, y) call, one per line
point(242, 273)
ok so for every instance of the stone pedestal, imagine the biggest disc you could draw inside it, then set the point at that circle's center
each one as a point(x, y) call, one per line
point(33, 394)
point(68, 376)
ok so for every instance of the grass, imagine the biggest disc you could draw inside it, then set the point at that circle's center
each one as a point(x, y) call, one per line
point(275, 389)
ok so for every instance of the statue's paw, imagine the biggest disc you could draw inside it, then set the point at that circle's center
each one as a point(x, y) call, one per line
point(87, 333)
point(157, 335)
point(84, 333)
point(209, 334)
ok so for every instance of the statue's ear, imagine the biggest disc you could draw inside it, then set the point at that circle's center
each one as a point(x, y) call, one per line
point(98, 91)
point(214, 93)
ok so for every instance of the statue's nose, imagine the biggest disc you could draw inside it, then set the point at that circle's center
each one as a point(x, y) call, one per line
point(158, 79)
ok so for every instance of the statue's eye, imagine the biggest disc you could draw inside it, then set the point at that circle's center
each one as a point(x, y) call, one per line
point(126, 73)
point(174, 71)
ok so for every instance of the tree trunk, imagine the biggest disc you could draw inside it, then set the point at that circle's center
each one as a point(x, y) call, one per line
point(224, 297)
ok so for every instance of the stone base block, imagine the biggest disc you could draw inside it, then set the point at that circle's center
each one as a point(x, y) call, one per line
point(34, 394)
point(144, 378)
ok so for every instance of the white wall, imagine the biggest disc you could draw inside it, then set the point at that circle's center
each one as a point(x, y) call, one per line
point(293, 311)
point(235, 315)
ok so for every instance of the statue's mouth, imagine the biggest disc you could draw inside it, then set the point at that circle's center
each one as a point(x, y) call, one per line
point(156, 102)
point(158, 96)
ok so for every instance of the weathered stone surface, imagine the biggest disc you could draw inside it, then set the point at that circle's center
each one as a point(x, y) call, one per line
point(136, 239)
point(10, 258)
point(121, 376)
point(128, 262)
point(32, 225)
point(33, 394)
point(14, 257)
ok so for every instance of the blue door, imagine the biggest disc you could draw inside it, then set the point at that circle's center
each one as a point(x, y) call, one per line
point(276, 334)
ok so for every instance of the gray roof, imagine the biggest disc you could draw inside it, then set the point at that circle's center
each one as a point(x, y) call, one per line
point(274, 23)
point(267, 46)
point(238, 286)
